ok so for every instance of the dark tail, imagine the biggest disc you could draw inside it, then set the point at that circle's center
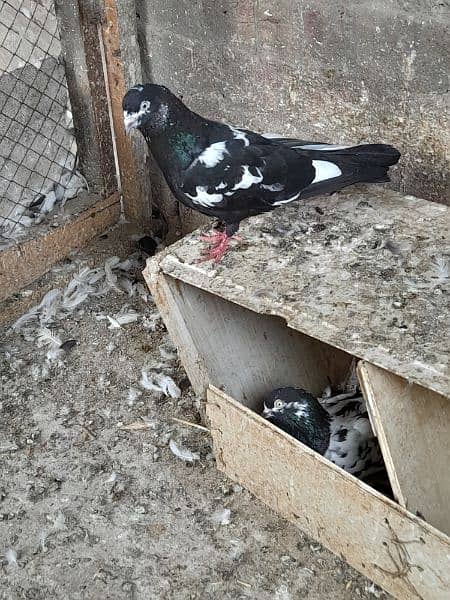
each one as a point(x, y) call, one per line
point(373, 160)
point(368, 163)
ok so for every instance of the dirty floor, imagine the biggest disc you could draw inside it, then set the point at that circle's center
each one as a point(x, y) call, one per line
point(94, 504)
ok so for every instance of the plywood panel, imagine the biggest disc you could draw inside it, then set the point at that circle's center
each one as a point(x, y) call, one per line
point(238, 350)
point(413, 428)
point(365, 274)
point(407, 557)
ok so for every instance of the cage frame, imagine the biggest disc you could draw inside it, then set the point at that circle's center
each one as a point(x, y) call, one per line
point(101, 62)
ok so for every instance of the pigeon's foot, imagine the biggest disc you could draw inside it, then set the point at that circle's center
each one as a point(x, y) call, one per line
point(219, 243)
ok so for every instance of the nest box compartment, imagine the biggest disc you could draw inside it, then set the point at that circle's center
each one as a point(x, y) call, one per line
point(243, 330)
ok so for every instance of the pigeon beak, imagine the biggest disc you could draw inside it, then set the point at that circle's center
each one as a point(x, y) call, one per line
point(130, 121)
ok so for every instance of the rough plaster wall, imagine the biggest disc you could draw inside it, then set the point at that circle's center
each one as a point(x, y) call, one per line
point(341, 72)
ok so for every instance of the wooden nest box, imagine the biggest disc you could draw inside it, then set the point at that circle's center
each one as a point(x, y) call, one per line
point(316, 285)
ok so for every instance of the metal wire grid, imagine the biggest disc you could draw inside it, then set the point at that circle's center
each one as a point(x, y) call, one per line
point(37, 147)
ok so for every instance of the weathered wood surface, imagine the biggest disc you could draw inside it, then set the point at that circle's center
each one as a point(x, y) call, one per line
point(24, 262)
point(412, 425)
point(122, 66)
point(78, 23)
point(240, 351)
point(407, 557)
point(366, 276)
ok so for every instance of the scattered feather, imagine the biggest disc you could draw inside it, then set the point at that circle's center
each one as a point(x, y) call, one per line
point(25, 318)
point(111, 277)
point(374, 590)
point(147, 383)
point(48, 203)
point(169, 387)
point(151, 321)
point(96, 282)
point(47, 337)
point(136, 426)
point(441, 268)
point(59, 522)
point(222, 516)
point(54, 353)
point(113, 323)
point(49, 305)
point(112, 478)
point(282, 593)
point(43, 539)
point(183, 453)
point(133, 395)
point(11, 558)
point(151, 423)
point(122, 318)
point(190, 424)
point(70, 302)
point(160, 383)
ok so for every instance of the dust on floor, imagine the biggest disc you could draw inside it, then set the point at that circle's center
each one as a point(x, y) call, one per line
point(93, 502)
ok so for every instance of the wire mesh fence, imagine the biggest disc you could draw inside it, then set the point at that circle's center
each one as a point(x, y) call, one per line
point(38, 150)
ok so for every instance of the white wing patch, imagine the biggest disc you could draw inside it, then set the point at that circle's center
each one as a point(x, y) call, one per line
point(239, 135)
point(204, 198)
point(273, 187)
point(322, 147)
point(247, 180)
point(325, 170)
point(222, 185)
point(271, 136)
point(211, 156)
point(291, 199)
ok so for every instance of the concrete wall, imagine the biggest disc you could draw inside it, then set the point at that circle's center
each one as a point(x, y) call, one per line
point(342, 72)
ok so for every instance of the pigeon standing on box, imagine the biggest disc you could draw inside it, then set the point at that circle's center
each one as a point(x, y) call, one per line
point(337, 427)
point(231, 173)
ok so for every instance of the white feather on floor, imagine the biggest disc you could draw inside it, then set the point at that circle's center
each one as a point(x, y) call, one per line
point(183, 453)
point(38, 323)
point(158, 382)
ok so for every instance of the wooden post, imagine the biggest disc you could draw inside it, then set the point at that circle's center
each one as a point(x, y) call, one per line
point(123, 69)
point(78, 23)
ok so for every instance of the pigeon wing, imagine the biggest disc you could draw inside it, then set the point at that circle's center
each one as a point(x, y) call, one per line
point(245, 179)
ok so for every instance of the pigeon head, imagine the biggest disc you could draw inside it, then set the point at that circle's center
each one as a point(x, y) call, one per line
point(146, 107)
point(300, 414)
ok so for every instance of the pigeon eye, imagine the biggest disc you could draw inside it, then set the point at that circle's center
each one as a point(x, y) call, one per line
point(145, 105)
point(278, 404)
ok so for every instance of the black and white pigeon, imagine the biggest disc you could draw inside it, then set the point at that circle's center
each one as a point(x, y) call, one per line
point(337, 427)
point(230, 173)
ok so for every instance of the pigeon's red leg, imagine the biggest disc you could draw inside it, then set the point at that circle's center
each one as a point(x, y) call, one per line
point(214, 237)
point(219, 245)
point(219, 242)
